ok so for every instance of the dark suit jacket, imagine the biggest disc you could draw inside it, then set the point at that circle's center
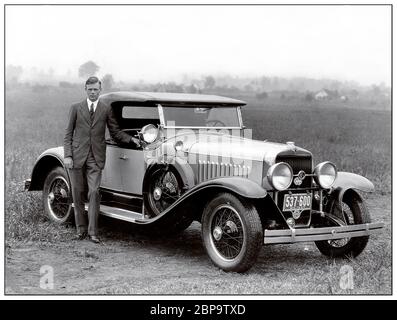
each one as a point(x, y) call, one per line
point(81, 135)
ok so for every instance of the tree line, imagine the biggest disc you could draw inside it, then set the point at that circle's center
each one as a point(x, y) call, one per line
point(260, 87)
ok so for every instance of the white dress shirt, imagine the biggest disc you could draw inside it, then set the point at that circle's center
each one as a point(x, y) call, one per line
point(89, 102)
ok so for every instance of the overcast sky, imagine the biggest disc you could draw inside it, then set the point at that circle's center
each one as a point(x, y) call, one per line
point(159, 43)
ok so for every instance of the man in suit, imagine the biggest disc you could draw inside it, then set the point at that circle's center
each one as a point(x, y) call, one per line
point(85, 154)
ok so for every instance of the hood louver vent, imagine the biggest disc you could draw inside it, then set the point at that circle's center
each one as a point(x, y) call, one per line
point(210, 170)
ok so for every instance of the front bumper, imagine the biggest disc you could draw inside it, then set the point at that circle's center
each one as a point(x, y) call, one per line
point(319, 234)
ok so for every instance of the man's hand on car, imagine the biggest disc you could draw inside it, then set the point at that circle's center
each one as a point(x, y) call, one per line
point(136, 141)
point(68, 162)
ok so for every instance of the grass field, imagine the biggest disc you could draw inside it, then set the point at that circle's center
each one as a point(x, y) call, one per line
point(356, 140)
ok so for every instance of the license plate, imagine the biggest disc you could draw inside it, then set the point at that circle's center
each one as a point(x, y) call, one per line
point(297, 201)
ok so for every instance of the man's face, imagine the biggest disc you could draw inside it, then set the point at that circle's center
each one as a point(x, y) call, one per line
point(93, 91)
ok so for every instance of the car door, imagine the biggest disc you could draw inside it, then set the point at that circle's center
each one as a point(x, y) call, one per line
point(111, 174)
point(132, 168)
point(132, 164)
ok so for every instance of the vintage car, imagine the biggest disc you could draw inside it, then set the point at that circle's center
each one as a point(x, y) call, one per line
point(197, 162)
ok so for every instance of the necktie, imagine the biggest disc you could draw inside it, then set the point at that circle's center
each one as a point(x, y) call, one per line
point(92, 111)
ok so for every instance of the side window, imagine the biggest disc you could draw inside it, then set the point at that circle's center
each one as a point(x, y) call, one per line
point(135, 117)
point(140, 112)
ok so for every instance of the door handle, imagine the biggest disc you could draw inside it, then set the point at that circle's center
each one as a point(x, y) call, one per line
point(123, 157)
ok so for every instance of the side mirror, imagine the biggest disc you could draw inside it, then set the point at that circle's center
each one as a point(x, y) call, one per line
point(149, 133)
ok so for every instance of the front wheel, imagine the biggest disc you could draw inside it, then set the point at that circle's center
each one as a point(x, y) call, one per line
point(57, 196)
point(353, 211)
point(232, 232)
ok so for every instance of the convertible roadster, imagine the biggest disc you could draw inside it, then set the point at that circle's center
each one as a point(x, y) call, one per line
point(198, 162)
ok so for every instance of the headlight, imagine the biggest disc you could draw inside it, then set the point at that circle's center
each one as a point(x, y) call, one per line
point(325, 174)
point(149, 133)
point(280, 176)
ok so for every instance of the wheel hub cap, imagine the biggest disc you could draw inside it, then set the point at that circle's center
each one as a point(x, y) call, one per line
point(231, 227)
point(63, 193)
point(170, 187)
point(51, 197)
point(217, 233)
point(157, 193)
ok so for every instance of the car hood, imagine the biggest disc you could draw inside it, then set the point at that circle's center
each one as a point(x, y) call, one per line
point(235, 147)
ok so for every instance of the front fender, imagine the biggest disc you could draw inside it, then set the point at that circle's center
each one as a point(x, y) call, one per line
point(348, 183)
point(347, 180)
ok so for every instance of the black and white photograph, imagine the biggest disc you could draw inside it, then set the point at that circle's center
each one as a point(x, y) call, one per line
point(197, 150)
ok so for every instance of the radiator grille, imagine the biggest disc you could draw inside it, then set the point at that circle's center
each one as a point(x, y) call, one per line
point(210, 170)
point(297, 164)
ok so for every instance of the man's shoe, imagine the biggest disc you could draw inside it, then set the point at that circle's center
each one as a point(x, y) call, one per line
point(94, 239)
point(81, 236)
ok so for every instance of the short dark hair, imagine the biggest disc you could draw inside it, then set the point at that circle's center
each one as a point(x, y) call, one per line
point(92, 80)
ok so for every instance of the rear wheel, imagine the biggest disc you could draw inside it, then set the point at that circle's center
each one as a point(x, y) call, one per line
point(353, 211)
point(232, 232)
point(57, 196)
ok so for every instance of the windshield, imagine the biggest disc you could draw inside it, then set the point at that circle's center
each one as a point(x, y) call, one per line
point(223, 117)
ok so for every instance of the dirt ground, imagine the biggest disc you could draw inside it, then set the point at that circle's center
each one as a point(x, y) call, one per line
point(127, 263)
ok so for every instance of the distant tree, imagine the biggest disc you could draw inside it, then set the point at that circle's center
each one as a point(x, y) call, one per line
point(159, 87)
point(209, 82)
point(107, 81)
point(191, 89)
point(375, 90)
point(65, 84)
point(13, 73)
point(262, 95)
point(354, 93)
point(172, 87)
point(265, 82)
point(248, 88)
point(88, 69)
point(309, 97)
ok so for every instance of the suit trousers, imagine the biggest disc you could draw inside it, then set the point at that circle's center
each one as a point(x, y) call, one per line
point(91, 175)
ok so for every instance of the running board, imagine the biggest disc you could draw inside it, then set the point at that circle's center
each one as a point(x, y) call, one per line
point(118, 213)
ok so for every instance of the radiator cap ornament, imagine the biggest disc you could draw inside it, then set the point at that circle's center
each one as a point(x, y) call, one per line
point(292, 145)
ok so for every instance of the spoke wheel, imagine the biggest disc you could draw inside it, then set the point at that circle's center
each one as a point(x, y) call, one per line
point(227, 232)
point(348, 218)
point(353, 211)
point(57, 196)
point(232, 232)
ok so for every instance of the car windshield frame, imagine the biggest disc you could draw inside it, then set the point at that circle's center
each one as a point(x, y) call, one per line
point(163, 124)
